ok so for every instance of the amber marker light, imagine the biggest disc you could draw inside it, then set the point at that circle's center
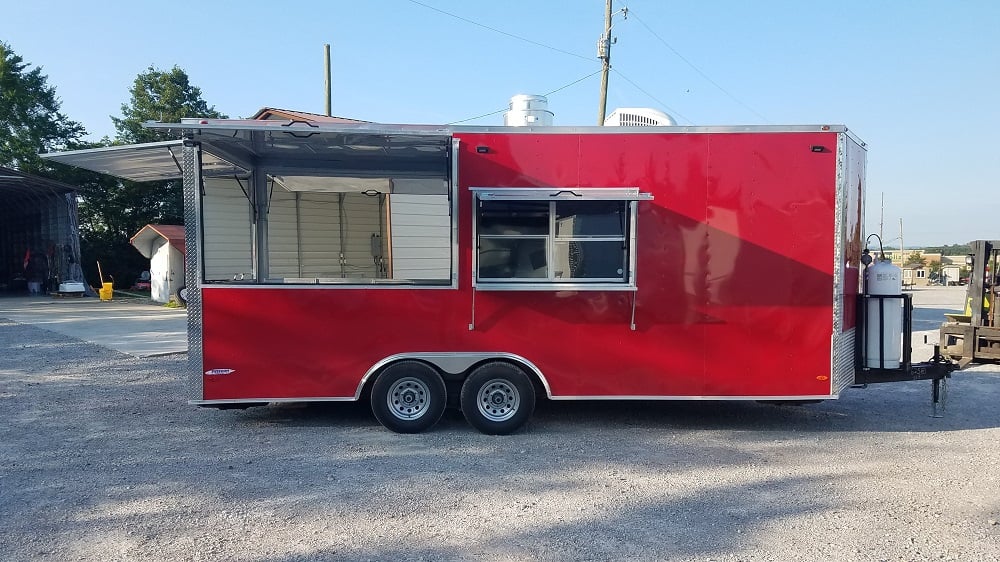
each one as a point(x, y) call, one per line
point(822, 378)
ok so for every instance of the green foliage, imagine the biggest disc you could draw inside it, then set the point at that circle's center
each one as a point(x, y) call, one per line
point(30, 120)
point(950, 249)
point(915, 258)
point(165, 96)
point(113, 210)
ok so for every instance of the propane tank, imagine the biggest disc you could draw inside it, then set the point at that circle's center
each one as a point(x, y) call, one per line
point(883, 278)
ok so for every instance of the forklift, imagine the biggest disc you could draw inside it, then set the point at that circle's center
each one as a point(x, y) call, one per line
point(974, 337)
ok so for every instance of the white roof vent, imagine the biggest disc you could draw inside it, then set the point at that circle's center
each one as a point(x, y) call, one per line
point(528, 110)
point(638, 117)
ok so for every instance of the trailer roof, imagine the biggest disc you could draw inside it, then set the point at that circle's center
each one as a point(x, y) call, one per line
point(430, 129)
point(235, 146)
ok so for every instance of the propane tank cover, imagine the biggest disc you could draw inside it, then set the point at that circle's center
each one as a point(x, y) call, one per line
point(884, 279)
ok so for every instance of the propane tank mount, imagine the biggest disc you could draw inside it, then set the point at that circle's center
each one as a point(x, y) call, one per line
point(883, 347)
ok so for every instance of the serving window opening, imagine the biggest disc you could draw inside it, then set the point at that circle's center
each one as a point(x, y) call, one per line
point(334, 209)
point(533, 239)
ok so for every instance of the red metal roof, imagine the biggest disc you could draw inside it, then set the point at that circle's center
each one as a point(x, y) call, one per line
point(172, 232)
point(266, 113)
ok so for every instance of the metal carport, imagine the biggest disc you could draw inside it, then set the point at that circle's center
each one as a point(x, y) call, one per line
point(38, 215)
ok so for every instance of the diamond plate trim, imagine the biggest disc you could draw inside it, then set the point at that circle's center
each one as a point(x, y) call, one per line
point(839, 234)
point(843, 362)
point(840, 200)
point(191, 157)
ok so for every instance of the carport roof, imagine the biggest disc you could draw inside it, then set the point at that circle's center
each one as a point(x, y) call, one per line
point(18, 187)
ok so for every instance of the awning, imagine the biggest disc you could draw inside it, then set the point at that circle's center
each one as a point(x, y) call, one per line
point(331, 150)
point(154, 161)
point(234, 147)
point(560, 194)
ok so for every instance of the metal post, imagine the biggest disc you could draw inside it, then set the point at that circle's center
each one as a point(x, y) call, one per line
point(935, 397)
point(604, 53)
point(328, 84)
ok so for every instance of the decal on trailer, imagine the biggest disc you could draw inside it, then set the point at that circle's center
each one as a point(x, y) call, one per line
point(219, 371)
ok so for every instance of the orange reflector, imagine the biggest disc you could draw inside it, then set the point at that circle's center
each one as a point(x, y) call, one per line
point(825, 128)
point(822, 378)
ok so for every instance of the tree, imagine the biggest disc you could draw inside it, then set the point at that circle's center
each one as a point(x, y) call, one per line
point(113, 211)
point(30, 120)
point(915, 258)
point(165, 96)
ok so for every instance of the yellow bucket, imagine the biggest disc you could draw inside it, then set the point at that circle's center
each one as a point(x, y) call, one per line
point(106, 291)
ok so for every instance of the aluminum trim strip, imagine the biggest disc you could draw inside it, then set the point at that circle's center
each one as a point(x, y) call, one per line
point(694, 398)
point(455, 146)
point(470, 358)
point(560, 398)
point(561, 194)
point(273, 400)
point(840, 199)
point(326, 286)
point(484, 285)
point(843, 369)
point(191, 158)
point(444, 130)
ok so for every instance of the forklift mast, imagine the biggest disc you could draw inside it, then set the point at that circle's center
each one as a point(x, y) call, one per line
point(973, 337)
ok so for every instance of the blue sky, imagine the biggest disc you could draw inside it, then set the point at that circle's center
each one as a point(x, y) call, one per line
point(916, 80)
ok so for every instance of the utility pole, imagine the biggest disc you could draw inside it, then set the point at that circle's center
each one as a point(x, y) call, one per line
point(604, 53)
point(902, 257)
point(327, 84)
point(881, 219)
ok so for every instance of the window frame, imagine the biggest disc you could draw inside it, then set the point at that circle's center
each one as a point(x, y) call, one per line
point(630, 196)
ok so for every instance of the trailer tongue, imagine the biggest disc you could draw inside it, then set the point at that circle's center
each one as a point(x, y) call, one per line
point(884, 350)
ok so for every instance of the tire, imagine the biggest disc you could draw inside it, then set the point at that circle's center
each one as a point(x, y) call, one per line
point(181, 295)
point(408, 397)
point(497, 398)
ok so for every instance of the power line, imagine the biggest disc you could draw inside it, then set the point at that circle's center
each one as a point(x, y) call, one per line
point(518, 37)
point(577, 81)
point(478, 116)
point(638, 87)
point(560, 88)
point(696, 69)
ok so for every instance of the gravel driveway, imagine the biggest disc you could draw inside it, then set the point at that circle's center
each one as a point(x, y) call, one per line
point(102, 459)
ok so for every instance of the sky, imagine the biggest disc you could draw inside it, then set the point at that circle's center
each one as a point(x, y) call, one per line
point(916, 80)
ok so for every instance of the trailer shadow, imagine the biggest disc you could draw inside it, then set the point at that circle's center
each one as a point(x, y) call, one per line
point(99, 448)
point(897, 407)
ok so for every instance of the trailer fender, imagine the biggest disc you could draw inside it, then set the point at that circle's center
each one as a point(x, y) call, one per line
point(453, 363)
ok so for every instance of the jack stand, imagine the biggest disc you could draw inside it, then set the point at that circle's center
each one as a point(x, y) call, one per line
point(939, 394)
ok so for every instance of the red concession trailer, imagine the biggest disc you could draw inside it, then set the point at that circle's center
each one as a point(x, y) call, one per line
point(422, 266)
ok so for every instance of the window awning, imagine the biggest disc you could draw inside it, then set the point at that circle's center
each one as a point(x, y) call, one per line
point(560, 194)
point(155, 161)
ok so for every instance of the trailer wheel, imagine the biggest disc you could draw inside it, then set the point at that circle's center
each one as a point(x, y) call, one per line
point(497, 398)
point(408, 397)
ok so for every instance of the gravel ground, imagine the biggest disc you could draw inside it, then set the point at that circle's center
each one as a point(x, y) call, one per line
point(102, 459)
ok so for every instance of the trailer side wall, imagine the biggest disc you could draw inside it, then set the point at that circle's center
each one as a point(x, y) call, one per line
point(735, 277)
